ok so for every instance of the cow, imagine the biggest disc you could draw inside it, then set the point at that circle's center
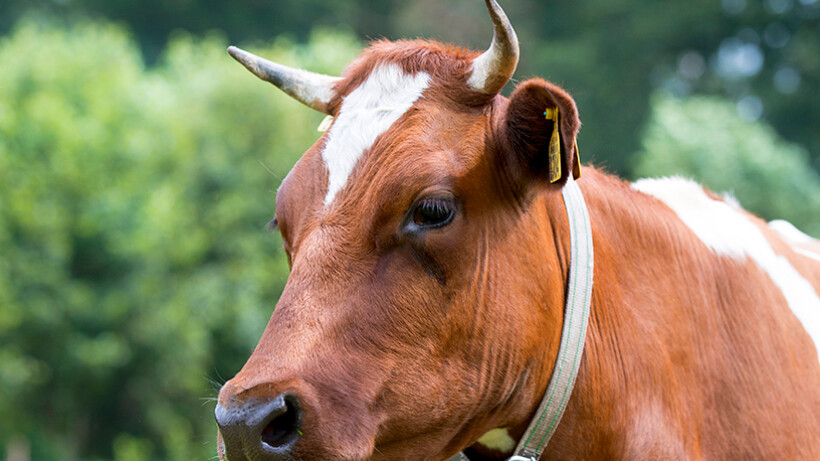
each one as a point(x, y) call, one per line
point(429, 251)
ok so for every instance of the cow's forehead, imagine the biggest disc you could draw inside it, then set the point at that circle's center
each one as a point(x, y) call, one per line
point(365, 114)
point(378, 89)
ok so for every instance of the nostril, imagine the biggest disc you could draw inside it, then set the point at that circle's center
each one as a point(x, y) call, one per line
point(260, 429)
point(283, 429)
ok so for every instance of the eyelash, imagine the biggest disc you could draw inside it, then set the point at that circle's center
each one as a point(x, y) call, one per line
point(433, 212)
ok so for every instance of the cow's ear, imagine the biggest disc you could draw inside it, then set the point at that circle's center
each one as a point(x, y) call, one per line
point(529, 131)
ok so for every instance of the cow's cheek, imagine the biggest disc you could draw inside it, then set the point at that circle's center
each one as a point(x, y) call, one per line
point(417, 399)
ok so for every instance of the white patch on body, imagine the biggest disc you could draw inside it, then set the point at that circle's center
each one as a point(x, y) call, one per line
point(807, 253)
point(795, 236)
point(789, 232)
point(498, 439)
point(367, 112)
point(731, 200)
point(727, 231)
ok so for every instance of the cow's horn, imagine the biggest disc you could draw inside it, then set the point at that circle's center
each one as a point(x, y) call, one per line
point(494, 68)
point(313, 90)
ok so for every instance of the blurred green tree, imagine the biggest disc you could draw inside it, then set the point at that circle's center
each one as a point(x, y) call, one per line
point(132, 206)
point(610, 54)
point(704, 138)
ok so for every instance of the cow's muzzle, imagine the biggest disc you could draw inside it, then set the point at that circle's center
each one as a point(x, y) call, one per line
point(260, 430)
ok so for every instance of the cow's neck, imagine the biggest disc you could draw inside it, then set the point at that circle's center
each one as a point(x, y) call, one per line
point(612, 313)
point(637, 312)
point(549, 209)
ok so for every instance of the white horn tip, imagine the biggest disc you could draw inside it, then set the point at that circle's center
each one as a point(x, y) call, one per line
point(238, 53)
point(494, 68)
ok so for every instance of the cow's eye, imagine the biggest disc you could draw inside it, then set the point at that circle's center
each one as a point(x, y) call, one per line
point(433, 212)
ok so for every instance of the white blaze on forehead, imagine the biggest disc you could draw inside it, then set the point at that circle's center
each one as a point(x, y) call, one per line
point(727, 231)
point(367, 112)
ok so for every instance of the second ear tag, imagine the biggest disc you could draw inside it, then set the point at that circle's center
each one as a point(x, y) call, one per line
point(555, 146)
point(576, 168)
point(325, 123)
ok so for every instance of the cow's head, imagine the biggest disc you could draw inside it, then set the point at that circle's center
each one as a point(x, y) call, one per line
point(423, 308)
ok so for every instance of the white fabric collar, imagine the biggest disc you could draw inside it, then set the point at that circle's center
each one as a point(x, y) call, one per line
point(573, 335)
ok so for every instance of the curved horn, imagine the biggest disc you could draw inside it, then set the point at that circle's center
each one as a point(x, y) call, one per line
point(494, 68)
point(312, 90)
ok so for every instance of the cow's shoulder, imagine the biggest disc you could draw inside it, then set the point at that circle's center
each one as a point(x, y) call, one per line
point(788, 256)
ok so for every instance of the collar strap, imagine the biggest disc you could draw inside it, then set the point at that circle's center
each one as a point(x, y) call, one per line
point(573, 334)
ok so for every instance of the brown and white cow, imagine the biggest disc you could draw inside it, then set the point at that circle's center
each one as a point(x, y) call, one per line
point(429, 257)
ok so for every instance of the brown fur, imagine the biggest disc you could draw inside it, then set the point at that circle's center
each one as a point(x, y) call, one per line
point(689, 355)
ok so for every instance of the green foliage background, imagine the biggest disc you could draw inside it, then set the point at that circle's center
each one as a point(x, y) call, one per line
point(134, 266)
point(704, 138)
point(138, 165)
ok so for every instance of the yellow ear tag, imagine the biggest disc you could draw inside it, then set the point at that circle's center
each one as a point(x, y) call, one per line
point(325, 124)
point(555, 146)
